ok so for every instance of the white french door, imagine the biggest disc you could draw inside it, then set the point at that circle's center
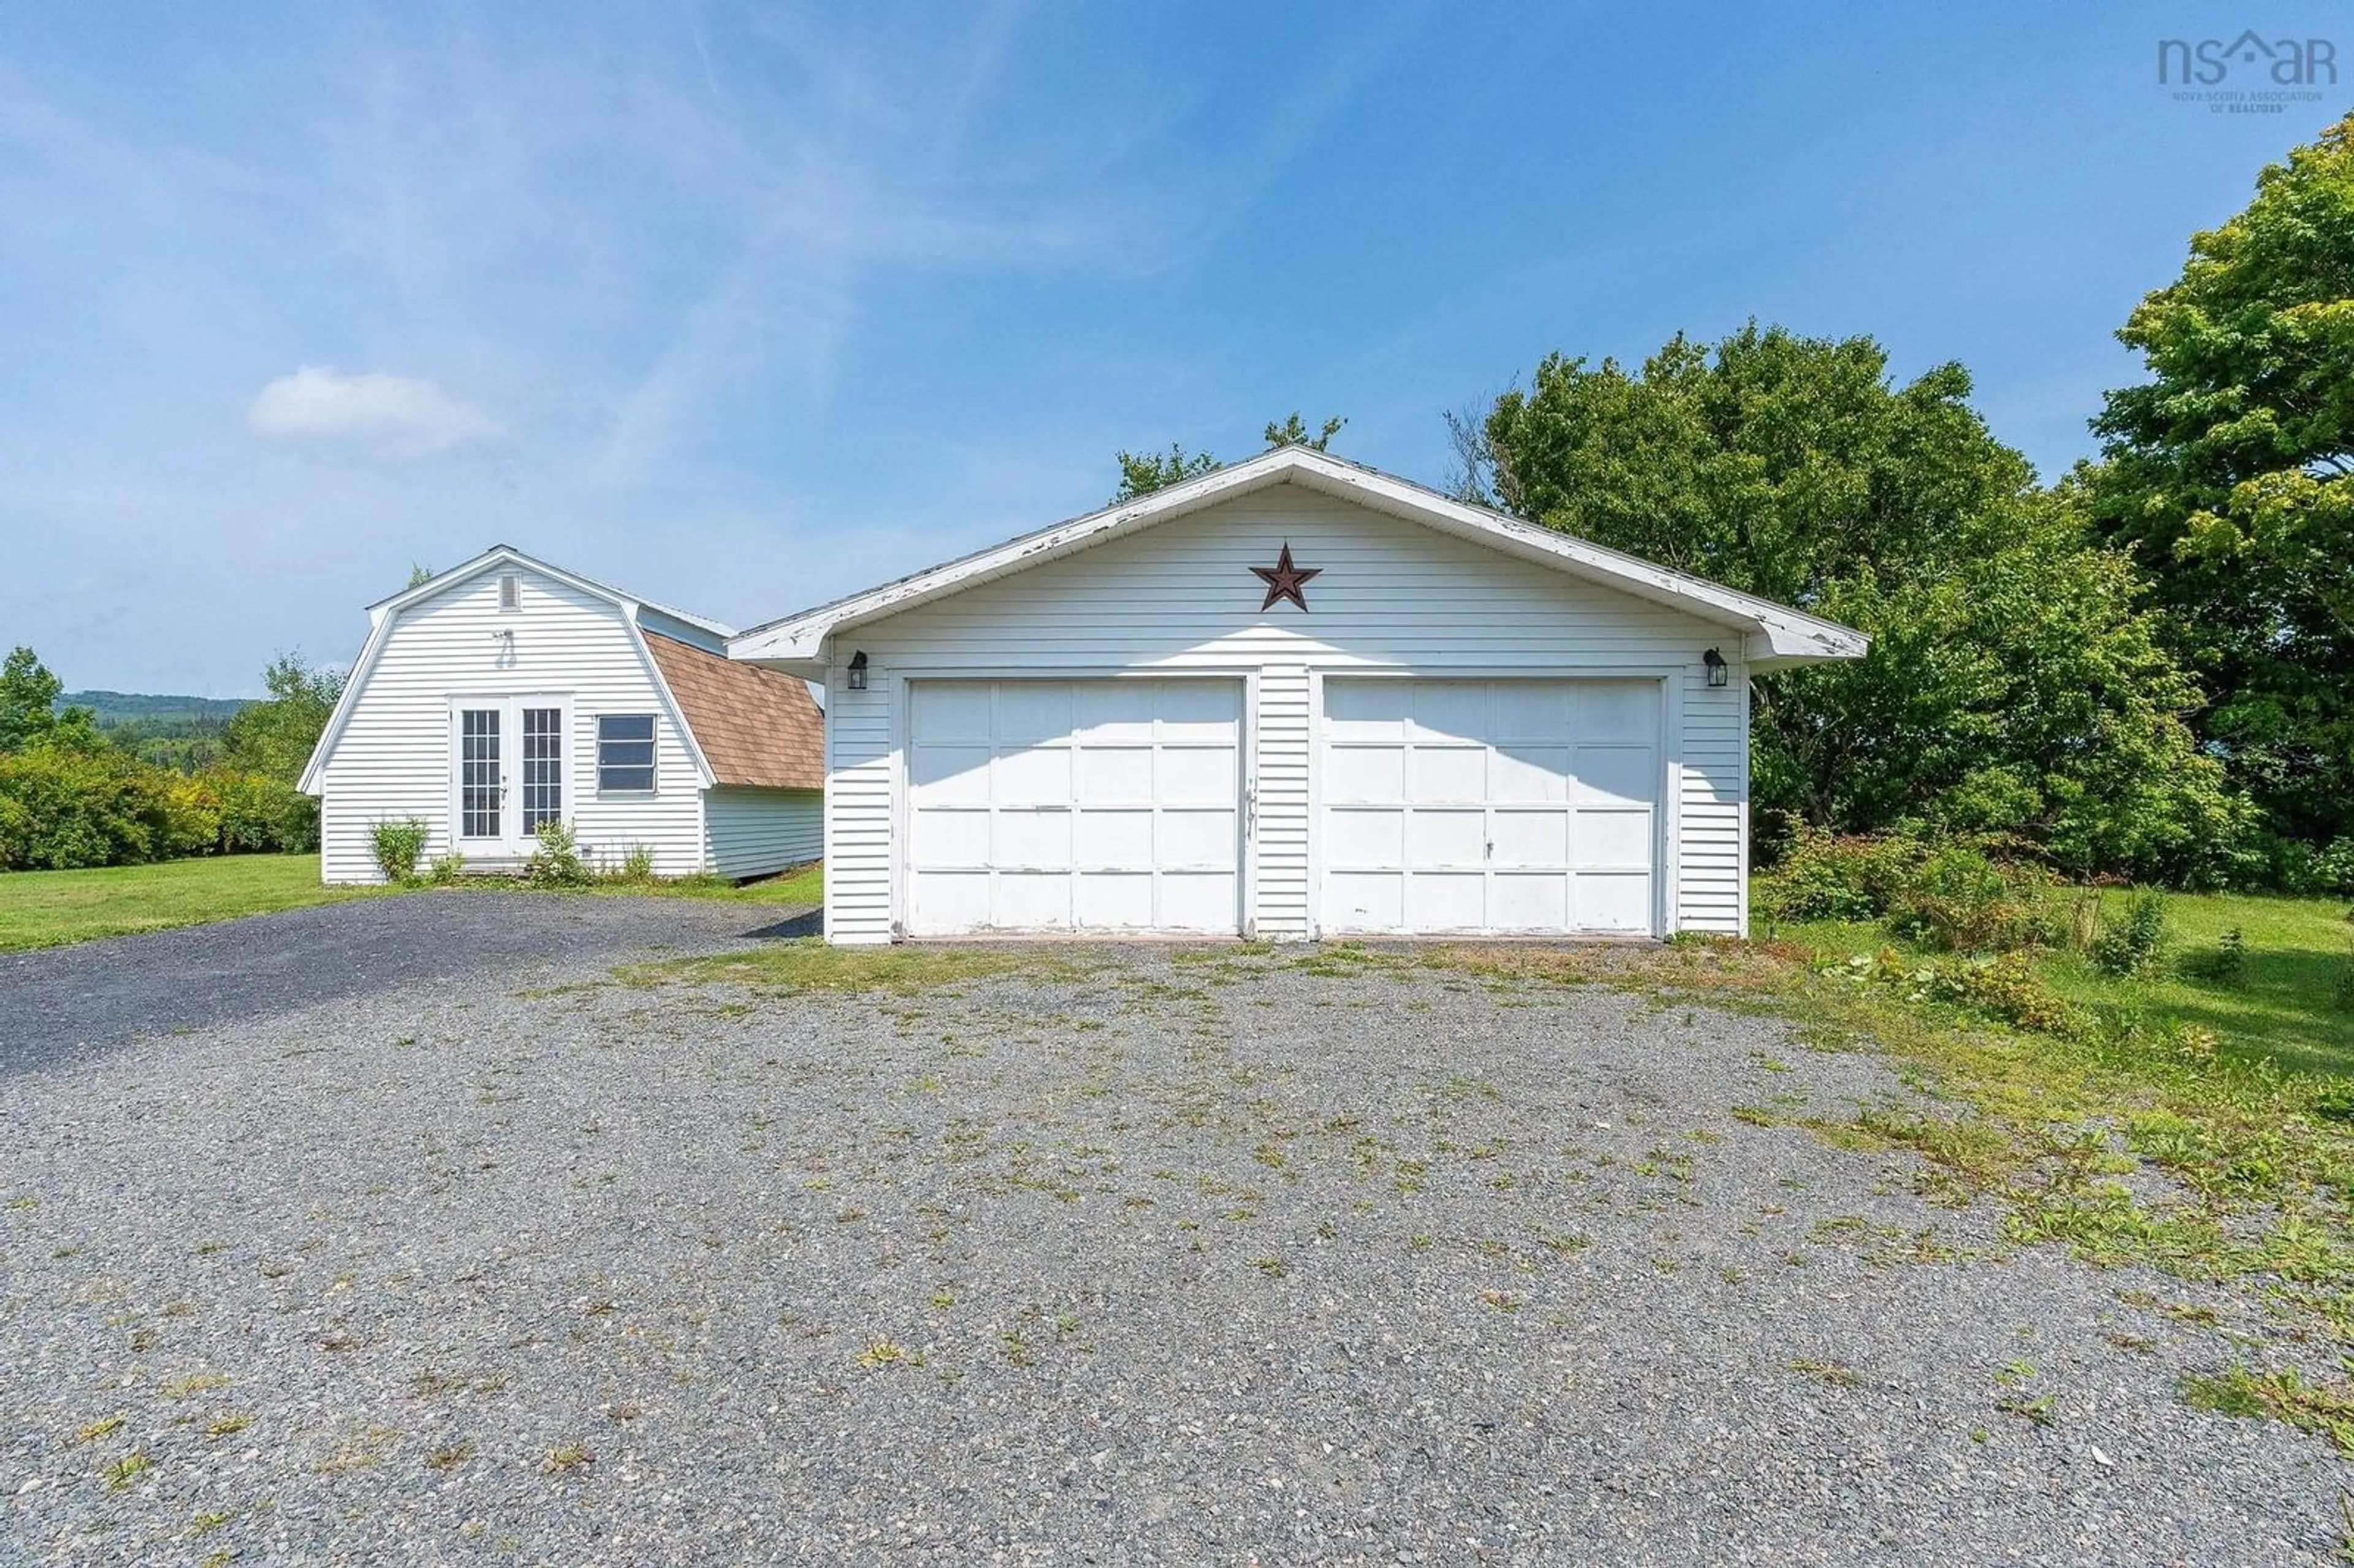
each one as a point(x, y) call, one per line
point(509, 771)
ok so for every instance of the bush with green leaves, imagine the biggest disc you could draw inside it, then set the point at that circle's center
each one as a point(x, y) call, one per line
point(399, 843)
point(557, 861)
point(1820, 876)
point(635, 869)
point(2131, 945)
point(68, 805)
point(446, 869)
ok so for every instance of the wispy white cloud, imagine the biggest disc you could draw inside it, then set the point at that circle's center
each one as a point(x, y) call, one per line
point(388, 416)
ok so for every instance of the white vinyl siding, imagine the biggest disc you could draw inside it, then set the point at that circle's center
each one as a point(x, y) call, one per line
point(394, 756)
point(1391, 596)
point(757, 833)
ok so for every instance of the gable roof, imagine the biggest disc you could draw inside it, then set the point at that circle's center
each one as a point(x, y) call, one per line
point(1777, 635)
point(755, 725)
point(787, 711)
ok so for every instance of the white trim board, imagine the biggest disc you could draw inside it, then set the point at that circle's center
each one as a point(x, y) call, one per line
point(1773, 635)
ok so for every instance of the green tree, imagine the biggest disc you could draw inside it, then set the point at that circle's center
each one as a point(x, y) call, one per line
point(30, 714)
point(274, 737)
point(419, 573)
point(1290, 433)
point(2013, 686)
point(1141, 473)
point(2230, 475)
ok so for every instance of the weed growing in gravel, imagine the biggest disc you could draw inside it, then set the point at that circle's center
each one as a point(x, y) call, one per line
point(2326, 1409)
point(881, 1353)
point(118, 1474)
point(1837, 1373)
point(227, 1425)
point(206, 1521)
point(194, 1384)
point(564, 1458)
point(450, 1458)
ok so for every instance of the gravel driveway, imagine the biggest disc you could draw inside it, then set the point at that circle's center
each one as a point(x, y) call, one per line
point(58, 1002)
point(1190, 1257)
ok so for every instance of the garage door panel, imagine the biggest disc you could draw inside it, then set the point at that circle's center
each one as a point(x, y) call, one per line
point(1365, 775)
point(1197, 839)
point(1111, 805)
point(1529, 839)
point(1620, 841)
point(948, 774)
point(1613, 901)
point(1529, 710)
point(1364, 836)
point(950, 901)
point(1197, 776)
point(950, 711)
point(1365, 900)
point(1197, 901)
point(1365, 710)
point(1030, 900)
point(1194, 710)
point(1524, 773)
point(1498, 805)
point(1447, 774)
point(1614, 710)
point(1115, 838)
point(1446, 838)
point(1444, 901)
point(1034, 839)
point(1032, 776)
point(950, 839)
point(1115, 900)
point(1118, 774)
point(1528, 900)
point(1029, 712)
point(1615, 775)
point(1447, 710)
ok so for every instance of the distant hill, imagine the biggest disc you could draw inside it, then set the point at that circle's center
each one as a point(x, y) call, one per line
point(155, 715)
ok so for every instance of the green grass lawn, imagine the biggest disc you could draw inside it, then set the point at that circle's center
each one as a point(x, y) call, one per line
point(2284, 1009)
point(50, 908)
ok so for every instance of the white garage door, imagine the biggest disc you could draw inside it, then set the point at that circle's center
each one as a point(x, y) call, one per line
point(1479, 806)
point(1075, 805)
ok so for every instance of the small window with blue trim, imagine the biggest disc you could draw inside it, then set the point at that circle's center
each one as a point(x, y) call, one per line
point(625, 754)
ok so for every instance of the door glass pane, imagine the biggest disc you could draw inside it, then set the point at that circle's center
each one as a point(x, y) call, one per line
point(478, 773)
point(543, 768)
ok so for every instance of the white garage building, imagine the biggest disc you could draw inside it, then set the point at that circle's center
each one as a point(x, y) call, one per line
point(1293, 698)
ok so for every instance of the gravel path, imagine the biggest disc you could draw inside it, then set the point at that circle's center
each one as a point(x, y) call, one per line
point(57, 1003)
point(1195, 1257)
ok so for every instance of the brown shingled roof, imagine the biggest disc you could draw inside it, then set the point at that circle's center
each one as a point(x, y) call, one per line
point(755, 725)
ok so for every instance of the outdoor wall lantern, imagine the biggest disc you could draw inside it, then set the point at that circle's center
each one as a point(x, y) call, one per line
point(858, 670)
point(1719, 672)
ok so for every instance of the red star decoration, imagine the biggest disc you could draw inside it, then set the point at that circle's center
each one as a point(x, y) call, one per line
point(1284, 580)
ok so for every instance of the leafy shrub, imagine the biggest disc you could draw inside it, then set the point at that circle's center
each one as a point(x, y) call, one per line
point(2228, 964)
point(2129, 947)
point(1832, 876)
point(1961, 899)
point(557, 861)
point(2009, 989)
point(446, 869)
point(74, 806)
point(636, 868)
point(397, 843)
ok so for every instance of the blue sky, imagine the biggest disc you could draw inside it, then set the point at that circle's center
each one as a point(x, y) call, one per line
point(743, 308)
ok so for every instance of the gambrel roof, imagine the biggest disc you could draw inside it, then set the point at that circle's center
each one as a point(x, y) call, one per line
point(767, 731)
point(1775, 635)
